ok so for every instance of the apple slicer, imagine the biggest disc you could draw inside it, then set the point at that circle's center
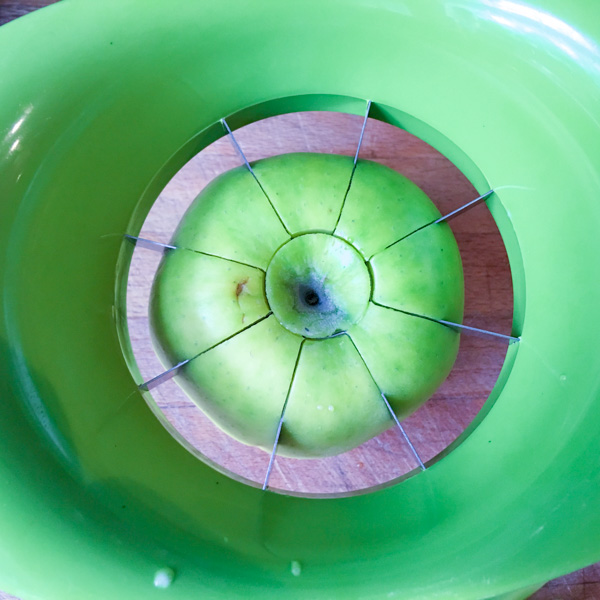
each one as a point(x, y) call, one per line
point(102, 105)
point(215, 296)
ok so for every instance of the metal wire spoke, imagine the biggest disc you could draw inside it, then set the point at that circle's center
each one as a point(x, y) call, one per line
point(160, 247)
point(169, 373)
point(162, 377)
point(362, 131)
point(239, 150)
point(360, 141)
point(281, 419)
point(451, 215)
point(478, 332)
point(465, 207)
point(390, 409)
point(402, 430)
point(457, 326)
point(149, 244)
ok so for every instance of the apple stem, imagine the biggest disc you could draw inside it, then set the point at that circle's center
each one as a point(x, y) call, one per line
point(311, 298)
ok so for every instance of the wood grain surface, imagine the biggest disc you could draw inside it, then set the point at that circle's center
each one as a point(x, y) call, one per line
point(488, 305)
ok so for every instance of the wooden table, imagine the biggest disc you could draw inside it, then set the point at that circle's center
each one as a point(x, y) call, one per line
point(488, 305)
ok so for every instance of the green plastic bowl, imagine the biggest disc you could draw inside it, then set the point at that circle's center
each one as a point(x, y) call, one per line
point(100, 104)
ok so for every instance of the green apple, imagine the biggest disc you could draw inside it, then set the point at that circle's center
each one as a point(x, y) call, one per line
point(303, 298)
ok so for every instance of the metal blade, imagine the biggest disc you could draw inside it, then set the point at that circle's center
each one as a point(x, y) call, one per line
point(280, 424)
point(465, 207)
point(162, 377)
point(149, 244)
point(478, 332)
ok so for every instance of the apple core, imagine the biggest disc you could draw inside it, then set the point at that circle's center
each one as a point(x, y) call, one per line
point(318, 285)
point(303, 292)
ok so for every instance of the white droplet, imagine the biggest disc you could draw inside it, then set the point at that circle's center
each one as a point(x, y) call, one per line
point(330, 408)
point(319, 407)
point(163, 578)
point(296, 568)
point(563, 378)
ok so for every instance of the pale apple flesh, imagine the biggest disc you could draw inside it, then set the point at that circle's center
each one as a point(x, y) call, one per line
point(294, 299)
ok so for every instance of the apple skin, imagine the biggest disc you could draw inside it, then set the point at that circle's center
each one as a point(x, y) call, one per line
point(381, 207)
point(199, 300)
point(408, 357)
point(306, 189)
point(242, 384)
point(232, 219)
point(318, 285)
point(345, 404)
point(217, 300)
